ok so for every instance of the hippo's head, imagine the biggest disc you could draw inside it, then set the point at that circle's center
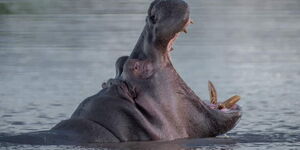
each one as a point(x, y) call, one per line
point(161, 92)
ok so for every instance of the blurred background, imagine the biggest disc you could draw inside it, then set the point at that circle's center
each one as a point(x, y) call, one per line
point(55, 53)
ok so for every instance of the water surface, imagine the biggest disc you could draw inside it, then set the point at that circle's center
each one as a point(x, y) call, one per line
point(54, 54)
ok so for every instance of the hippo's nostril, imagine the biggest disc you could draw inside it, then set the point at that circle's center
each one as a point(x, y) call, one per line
point(152, 19)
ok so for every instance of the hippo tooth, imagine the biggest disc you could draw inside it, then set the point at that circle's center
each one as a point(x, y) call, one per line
point(185, 30)
point(191, 21)
point(212, 93)
point(230, 102)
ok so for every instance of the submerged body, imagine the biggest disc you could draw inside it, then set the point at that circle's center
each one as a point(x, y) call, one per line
point(147, 100)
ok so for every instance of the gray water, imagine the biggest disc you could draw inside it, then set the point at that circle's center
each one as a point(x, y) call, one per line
point(55, 53)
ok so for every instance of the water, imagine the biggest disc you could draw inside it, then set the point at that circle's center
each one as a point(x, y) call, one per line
point(53, 54)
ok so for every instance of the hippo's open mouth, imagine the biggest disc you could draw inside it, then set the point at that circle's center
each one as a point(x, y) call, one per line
point(228, 106)
point(184, 30)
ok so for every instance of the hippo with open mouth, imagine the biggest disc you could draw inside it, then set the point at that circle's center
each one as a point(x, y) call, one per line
point(147, 99)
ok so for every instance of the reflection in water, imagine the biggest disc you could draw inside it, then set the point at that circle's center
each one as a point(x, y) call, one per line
point(55, 53)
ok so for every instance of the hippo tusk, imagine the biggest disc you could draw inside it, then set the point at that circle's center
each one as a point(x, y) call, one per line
point(185, 30)
point(212, 93)
point(191, 21)
point(230, 102)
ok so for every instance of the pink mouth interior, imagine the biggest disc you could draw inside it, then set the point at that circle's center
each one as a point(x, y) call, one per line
point(215, 106)
point(172, 41)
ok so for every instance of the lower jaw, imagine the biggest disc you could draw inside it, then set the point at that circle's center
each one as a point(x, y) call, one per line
point(216, 107)
point(171, 42)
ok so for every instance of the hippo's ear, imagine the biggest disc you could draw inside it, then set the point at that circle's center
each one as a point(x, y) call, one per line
point(119, 65)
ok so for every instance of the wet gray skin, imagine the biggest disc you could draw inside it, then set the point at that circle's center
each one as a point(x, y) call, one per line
point(147, 100)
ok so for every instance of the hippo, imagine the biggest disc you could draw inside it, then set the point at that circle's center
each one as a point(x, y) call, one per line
point(147, 99)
